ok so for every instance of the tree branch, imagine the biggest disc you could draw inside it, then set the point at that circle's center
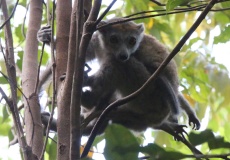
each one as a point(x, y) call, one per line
point(34, 130)
point(64, 57)
point(75, 132)
point(10, 65)
point(9, 17)
point(152, 78)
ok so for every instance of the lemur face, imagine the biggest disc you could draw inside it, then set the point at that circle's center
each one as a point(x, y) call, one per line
point(121, 40)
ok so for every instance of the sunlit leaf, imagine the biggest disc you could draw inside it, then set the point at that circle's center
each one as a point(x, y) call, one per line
point(224, 36)
point(222, 18)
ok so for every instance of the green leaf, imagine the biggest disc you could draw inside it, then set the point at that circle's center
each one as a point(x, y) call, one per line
point(222, 18)
point(5, 114)
point(98, 139)
point(10, 135)
point(121, 144)
point(51, 149)
point(224, 36)
point(19, 61)
point(157, 152)
point(225, 4)
point(5, 127)
point(3, 80)
point(218, 142)
point(202, 137)
point(171, 4)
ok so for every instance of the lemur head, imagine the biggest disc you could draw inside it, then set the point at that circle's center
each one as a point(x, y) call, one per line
point(121, 40)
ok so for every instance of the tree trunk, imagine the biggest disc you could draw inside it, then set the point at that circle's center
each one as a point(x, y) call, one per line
point(33, 125)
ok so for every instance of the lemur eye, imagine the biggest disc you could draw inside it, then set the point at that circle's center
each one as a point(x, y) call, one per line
point(113, 39)
point(132, 41)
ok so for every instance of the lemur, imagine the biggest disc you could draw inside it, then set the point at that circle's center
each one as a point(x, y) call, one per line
point(127, 58)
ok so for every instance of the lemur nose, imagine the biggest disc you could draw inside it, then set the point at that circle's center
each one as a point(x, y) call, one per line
point(123, 57)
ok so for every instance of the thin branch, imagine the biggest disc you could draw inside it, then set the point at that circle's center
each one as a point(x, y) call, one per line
point(7, 20)
point(53, 76)
point(222, 9)
point(75, 131)
point(142, 17)
point(24, 20)
point(8, 101)
point(151, 79)
point(157, 3)
point(39, 66)
point(45, 75)
point(1, 48)
point(24, 96)
point(182, 10)
point(105, 12)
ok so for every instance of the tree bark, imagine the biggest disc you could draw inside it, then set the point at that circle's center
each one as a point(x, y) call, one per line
point(64, 9)
point(33, 125)
point(75, 105)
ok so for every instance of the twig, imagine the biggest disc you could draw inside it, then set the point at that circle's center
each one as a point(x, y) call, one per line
point(15, 6)
point(8, 101)
point(223, 156)
point(105, 12)
point(194, 8)
point(39, 66)
point(151, 79)
point(142, 17)
point(24, 21)
point(3, 53)
point(158, 3)
point(45, 75)
point(182, 10)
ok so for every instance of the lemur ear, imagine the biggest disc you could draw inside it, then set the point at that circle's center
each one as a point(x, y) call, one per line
point(102, 23)
point(140, 27)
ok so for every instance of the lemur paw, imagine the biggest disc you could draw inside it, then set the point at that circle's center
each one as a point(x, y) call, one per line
point(194, 122)
point(179, 132)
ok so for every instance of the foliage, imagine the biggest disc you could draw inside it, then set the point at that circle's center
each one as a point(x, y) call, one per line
point(204, 82)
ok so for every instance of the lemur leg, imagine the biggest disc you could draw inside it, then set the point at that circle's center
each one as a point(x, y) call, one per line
point(168, 94)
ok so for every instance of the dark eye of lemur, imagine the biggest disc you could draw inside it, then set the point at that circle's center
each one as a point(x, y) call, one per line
point(132, 41)
point(113, 39)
